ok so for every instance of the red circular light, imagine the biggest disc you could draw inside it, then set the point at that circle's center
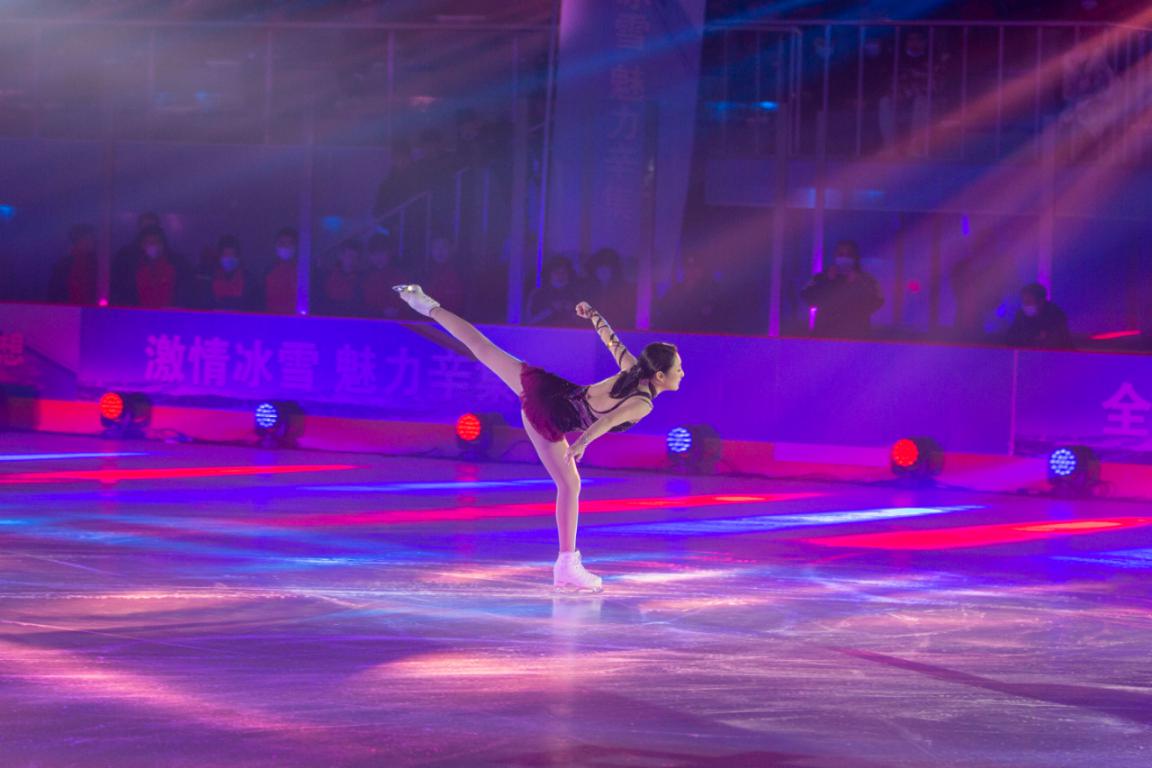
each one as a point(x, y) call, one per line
point(468, 427)
point(905, 453)
point(111, 406)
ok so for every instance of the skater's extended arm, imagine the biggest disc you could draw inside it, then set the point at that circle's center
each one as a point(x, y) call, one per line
point(630, 412)
point(620, 353)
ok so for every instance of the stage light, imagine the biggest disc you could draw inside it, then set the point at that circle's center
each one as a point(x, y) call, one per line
point(1073, 470)
point(278, 423)
point(475, 432)
point(916, 458)
point(693, 448)
point(125, 414)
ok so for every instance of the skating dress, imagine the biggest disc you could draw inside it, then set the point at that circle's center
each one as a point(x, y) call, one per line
point(556, 406)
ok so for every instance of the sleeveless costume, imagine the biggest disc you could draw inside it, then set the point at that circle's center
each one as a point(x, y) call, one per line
point(556, 406)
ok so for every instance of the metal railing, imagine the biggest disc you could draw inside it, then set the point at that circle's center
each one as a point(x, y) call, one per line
point(934, 89)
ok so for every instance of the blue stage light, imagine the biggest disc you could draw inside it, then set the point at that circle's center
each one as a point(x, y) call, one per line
point(694, 448)
point(1062, 462)
point(267, 416)
point(679, 440)
point(278, 423)
point(1073, 470)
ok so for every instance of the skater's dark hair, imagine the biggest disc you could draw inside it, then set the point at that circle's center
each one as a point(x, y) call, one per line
point(657, 357)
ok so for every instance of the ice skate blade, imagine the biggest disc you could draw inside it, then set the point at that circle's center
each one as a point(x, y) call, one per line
point(407, 288)
point(575, 589)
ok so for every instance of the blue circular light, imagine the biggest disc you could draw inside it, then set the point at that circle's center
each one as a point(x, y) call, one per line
point(1062, 462)
point(266, 416)
point(679, 440)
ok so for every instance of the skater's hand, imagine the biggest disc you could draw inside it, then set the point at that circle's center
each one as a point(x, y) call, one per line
point(584, 310)
point(574, 453)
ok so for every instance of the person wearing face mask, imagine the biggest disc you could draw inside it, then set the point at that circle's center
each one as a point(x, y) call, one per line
point(552, 302)
point(161, 276)
point(843, 295)
point(122, 288)
point(281, 283)
point(1038, 322)
point(233, 288)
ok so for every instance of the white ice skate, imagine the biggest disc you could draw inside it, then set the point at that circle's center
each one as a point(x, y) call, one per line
point(570, 575)
point(414, 296)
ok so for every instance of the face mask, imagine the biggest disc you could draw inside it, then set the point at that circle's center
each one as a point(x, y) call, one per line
point(871, 50)
point(559, 281)
point(152, 251)
point(285, 253)
point(914, 53)
point(603, 274)
point(1031, 310)
point(229, 263)
point(845, 264)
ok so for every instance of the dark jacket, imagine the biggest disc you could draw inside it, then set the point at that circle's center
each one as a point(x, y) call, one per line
point(844, 304)
point(1048, 329)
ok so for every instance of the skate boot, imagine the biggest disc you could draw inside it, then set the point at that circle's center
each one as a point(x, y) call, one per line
point(414, 296)
point(569, 574)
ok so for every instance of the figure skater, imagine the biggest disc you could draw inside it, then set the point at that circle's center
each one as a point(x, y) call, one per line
point(552, 406)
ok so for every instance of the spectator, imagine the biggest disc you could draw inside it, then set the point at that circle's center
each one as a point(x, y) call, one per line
point(1038, 322)
point(161, 275)
point(340, 285)
point(445, 279)
point(554, 302)
point(281, 283)
point(127, 260)
point(844, 296)
point(75, 277)
point(693, 304)
point(233, 287)
point(609, 291)
point(379, 299)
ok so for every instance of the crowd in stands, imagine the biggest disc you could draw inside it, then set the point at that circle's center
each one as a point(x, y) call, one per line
point(355, 279)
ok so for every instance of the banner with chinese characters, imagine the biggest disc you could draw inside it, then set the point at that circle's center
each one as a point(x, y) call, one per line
point(393, 369)
point(1103, 401)
point(748, 388)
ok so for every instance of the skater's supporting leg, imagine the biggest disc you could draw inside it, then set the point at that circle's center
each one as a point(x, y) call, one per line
point(563, 473)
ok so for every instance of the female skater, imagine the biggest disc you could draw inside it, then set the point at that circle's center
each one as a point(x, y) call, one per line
point(552, 407)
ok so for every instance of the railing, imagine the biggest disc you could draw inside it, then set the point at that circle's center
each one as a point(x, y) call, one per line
point(127, 79)
point(968, 91)
point(162, 88)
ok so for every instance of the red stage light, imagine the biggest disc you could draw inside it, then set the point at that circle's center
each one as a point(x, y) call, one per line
point(173, 473)
point(978, 535)
point(469, 428)
point(530, 509)
point(905, 453)
point(111, 406)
